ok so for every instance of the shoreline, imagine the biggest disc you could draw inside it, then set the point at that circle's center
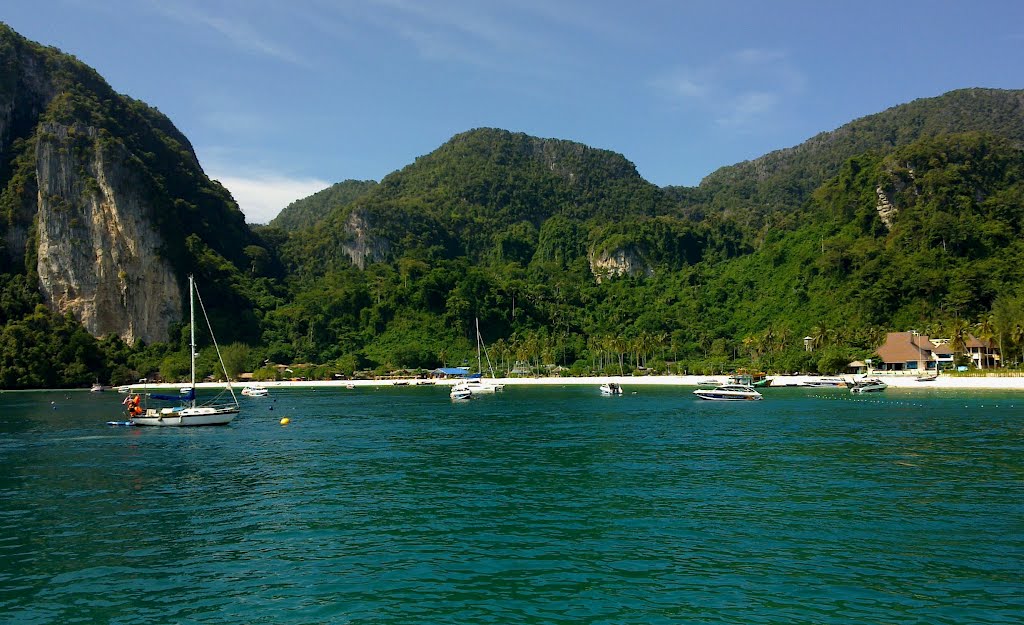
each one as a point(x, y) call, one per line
point(943, 382)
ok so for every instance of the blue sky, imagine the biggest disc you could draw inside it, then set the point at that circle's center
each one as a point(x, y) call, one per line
point(281, 99)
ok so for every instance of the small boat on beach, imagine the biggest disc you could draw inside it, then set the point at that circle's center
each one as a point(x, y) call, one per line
point(729, 392)
point(928, 377)
point(610, 389)
point(826, 383)
point(868, 385)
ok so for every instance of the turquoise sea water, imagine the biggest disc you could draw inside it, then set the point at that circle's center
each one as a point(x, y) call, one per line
point(539, 505)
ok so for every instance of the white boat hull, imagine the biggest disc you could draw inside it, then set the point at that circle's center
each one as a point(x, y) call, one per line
point(611, 390)
point(712, 396)
point(187, 417)
point(729, 392)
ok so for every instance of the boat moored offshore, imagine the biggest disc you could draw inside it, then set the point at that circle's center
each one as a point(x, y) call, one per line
point(729, 392)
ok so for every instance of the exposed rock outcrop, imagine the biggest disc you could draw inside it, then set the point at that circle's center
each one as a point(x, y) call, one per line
point(360, 244)
point(885, 208)
point(98, 251)
point(619, 262)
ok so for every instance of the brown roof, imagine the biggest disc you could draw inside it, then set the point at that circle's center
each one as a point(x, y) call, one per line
point(905, 347)
point(975, 342)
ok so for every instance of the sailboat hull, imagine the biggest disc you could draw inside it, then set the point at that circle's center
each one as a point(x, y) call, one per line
point(187, 417)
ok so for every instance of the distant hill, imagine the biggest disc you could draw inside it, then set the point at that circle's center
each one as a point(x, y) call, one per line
point(489, 194)
point(307, 211)
point(783, 180)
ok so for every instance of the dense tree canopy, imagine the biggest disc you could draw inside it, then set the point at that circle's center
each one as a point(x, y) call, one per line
point(563, 254)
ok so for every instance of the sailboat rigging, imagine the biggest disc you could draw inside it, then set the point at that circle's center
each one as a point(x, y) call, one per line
point(475, 385)
point(190, 412)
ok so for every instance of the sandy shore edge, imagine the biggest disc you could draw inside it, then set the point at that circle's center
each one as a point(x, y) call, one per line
point(895, 381)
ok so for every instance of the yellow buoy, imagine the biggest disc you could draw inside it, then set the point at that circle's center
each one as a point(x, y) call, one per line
point(285, 421)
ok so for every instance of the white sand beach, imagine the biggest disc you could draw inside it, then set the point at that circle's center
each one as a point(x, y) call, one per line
point(948, 382)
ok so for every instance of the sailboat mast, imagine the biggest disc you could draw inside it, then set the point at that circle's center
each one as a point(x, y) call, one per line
point(479, 363)
point(192, 328)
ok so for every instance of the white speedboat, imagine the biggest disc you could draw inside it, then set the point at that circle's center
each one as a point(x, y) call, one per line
point(729, 392)
point(826, 383)
point(868, 385)
point(96, 388)
point(255, 390)
point(611, 388)
point(460, 393)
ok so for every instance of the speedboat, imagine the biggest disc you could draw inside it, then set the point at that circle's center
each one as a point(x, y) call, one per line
point(729, 392)
point(255, 390)
point(96, 388)
point(459, 392)
point(868, 385)
point(826, 383)
point(611, 388)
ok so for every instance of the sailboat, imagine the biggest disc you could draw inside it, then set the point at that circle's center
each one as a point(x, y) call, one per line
point(476, 385)
point(189, 413)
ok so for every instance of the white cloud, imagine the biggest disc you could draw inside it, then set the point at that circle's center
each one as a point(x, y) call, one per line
point(746, 108)
point(739, 90)
point(261, 197)
point(681, 84)
point(232, 27)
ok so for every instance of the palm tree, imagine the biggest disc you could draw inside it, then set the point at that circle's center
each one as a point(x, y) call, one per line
point(819, 335)
point(750, 344)
point(985, 329)
point(959, 331)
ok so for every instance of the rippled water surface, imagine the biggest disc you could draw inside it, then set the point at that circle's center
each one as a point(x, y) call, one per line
point(541, 505)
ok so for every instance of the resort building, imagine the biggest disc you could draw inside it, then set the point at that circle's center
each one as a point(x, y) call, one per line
point(910, 351)
point(984, 353)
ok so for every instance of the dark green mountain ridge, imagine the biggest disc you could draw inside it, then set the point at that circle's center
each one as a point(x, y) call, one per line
point(783, 180)
point(910, 217)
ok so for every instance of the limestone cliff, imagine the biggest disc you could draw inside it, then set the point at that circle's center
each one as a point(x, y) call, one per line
point(618, 262)
point(359, 243)
point(97, 250)
point(103, 199)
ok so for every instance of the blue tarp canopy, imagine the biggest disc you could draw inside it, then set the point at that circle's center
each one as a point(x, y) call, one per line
point(452, 371)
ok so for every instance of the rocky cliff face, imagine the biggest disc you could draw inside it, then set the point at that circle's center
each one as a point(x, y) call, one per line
point(360, 245)
point(98, 252)
point(619, 262)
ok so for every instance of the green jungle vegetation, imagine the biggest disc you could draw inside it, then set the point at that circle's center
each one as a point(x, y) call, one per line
point(305, 212)
point(499, 228)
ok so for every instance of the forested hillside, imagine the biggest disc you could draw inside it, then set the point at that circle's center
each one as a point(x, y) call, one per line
point(571, 262)
point(783, 180)
point(126, 212)
point(306, 212)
